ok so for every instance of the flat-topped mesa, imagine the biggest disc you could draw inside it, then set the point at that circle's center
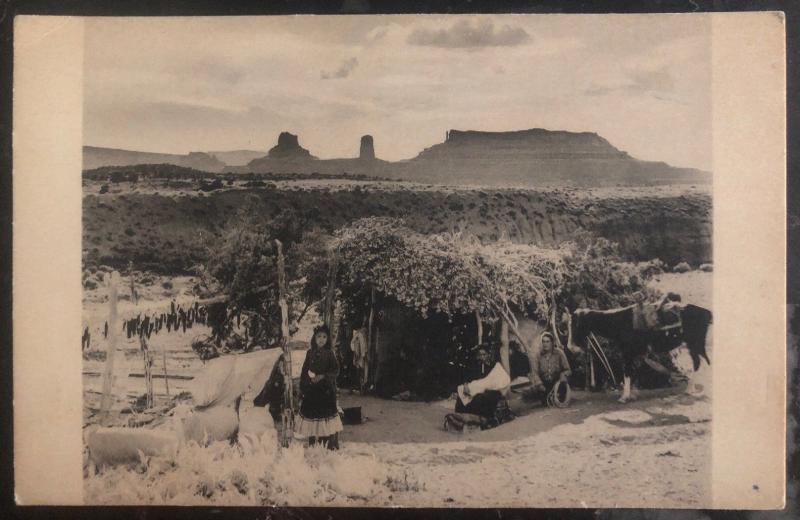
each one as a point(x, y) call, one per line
point(288, 147)
point(537, 141)
point(367, 151)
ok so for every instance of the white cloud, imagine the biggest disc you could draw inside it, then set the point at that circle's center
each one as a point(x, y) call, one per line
point(468, 34)
point(238, 82)
point(342, 71)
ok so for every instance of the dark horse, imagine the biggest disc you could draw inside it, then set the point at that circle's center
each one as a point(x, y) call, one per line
point(617, 325)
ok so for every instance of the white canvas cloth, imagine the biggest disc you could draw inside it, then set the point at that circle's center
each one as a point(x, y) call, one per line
point(496, 379)
point(225, 378)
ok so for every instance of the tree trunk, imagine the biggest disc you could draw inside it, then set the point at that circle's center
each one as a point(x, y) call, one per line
point(111, 348)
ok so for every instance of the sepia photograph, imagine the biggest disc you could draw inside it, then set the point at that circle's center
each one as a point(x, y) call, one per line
point(476, 273)
point(409, 261)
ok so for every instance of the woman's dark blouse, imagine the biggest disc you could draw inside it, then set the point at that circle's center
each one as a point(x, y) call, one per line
point(319, 399)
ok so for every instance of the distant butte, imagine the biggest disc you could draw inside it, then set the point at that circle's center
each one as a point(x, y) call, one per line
point(533, 157)
point(288, 147)
point(367, 151)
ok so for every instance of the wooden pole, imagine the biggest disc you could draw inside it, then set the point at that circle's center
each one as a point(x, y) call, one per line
point(166, 378)
point(504, 356)
point(287, 418)
point(480, 326)
point(111, 348)
point(148, 372)
point(330, 291)
point(370, 352)
point(134, 299)
point(329, 313)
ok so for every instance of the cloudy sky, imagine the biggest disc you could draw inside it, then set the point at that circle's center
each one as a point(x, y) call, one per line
point(186, 84)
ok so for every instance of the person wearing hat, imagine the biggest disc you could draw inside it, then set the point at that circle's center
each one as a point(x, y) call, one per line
point(319, 420)
point(549, 368)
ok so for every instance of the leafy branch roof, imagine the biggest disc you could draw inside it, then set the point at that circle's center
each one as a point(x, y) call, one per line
point(447, 273)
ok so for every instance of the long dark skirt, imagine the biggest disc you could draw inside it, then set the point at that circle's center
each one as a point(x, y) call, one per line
point(483, 404)
point(319, 415)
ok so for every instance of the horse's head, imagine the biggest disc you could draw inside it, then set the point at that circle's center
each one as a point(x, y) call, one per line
point(695, 322)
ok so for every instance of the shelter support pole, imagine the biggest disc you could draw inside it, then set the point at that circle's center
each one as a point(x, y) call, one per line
point(287, 418)
point(556, 335)
point(111, 348)
point(330, 292)
point(370, 351)
point(504, 356)
point(506, 319)
point(480, 326)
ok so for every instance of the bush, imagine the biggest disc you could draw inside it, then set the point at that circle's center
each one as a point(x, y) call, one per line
point(211, 186)
point(245, 259)
point(682, 267)
point(707, 268)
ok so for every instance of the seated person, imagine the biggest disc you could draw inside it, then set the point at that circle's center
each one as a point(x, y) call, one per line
point(483, 391)
point(272, 394)
point(550, 367)
point(518, 361)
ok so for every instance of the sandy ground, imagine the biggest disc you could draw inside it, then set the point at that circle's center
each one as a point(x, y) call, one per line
point(654, 451)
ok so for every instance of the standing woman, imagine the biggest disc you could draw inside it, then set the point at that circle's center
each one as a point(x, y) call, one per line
point(319, 414)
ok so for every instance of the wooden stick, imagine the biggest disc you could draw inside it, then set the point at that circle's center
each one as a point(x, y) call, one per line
point(370, 352)
point(148, 375)
point(287, 418)
point(504, 354)
point(166, 378)
point(161, 376)
point(480, 326)
point(134, 299)
point(111, 348)
point(330, 291)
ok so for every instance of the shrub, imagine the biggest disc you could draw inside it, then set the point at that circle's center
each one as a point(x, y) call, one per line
point(707, 268)
point(682, 267)
point(211, 186)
